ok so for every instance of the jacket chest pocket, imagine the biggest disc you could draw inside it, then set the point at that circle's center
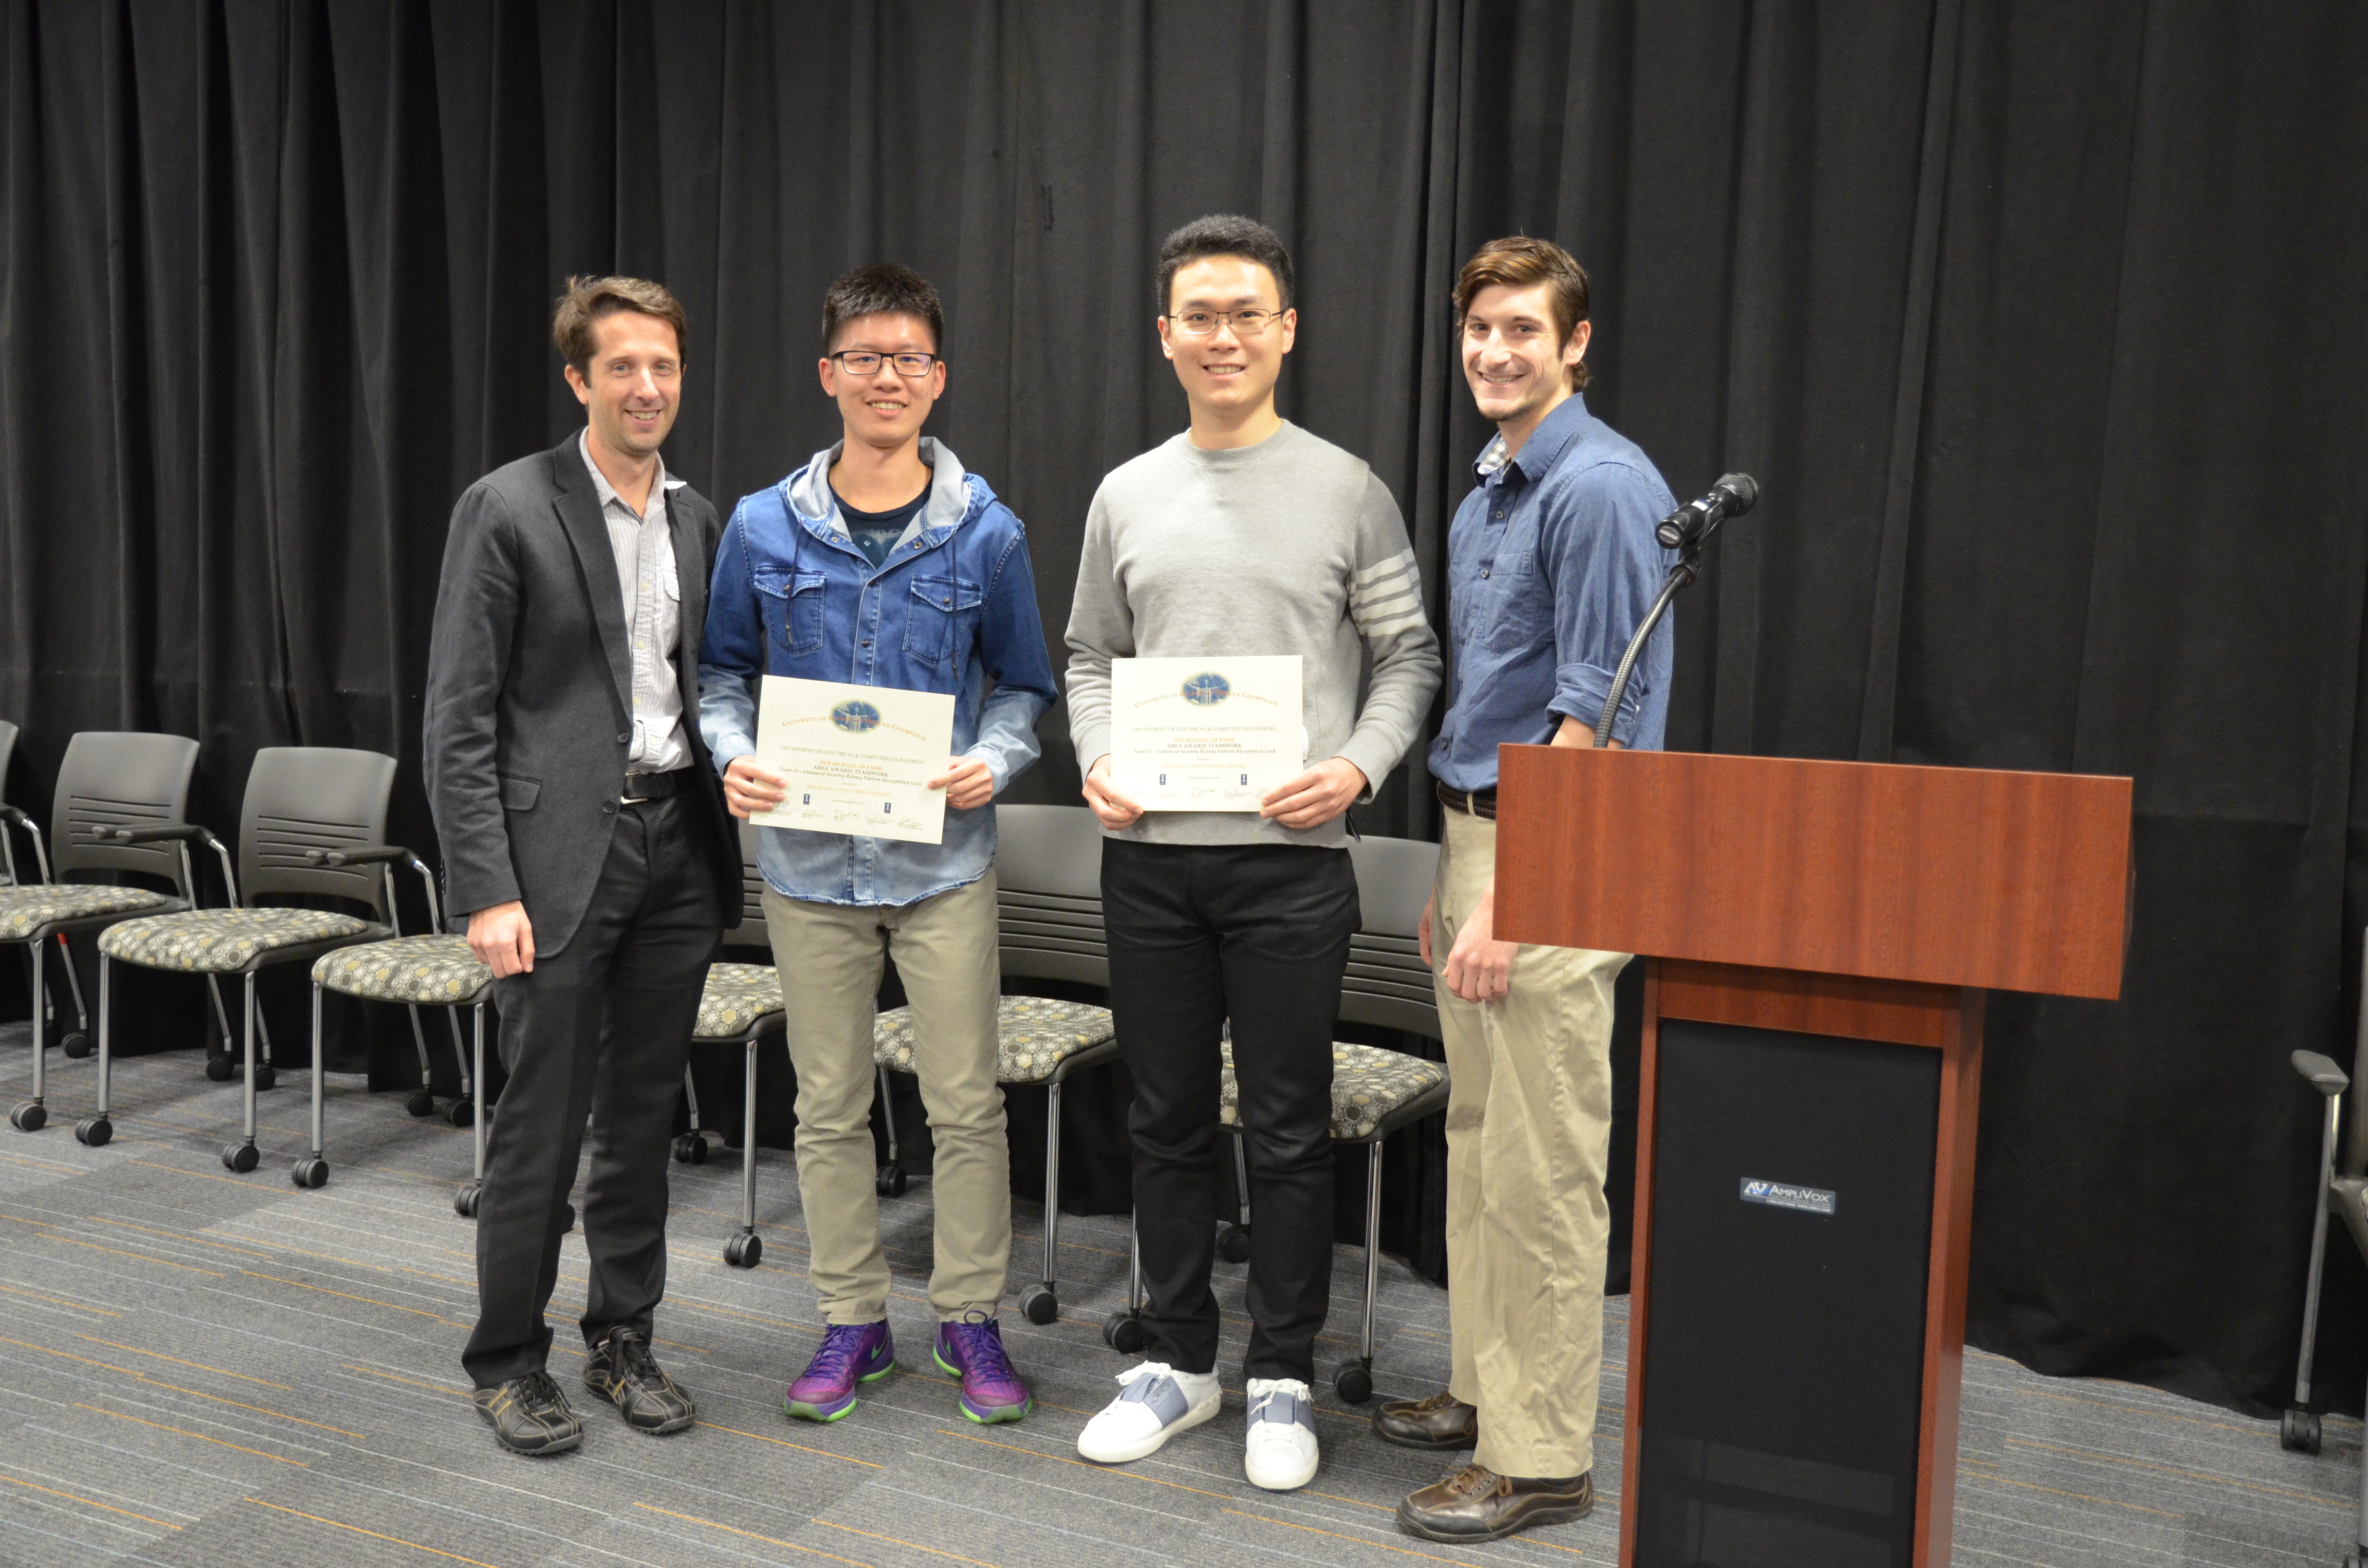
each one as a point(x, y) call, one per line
point(790, 603)
point(938, 616)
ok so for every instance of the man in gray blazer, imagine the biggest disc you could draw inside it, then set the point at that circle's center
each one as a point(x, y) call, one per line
point(585, 838)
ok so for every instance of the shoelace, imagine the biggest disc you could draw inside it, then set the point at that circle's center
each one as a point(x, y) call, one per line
point(633, 1355)
point(1478, 1480)
point(841, 1344)
point(1135, 1374)
point(983, 1352)
point(539, 1394)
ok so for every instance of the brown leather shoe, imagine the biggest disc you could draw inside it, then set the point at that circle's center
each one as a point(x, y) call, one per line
point(1442, 1421)
point(1477, 1503)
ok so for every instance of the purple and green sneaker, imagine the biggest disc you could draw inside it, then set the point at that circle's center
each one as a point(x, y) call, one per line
point(851, 1354)
point(972, 1350)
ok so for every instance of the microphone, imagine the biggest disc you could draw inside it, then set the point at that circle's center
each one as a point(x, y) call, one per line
point(1686, 528)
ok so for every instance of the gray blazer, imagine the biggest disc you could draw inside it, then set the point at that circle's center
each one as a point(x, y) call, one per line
point(530, 705)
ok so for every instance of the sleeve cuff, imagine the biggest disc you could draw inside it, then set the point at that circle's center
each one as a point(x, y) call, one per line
point(1092, 742)
point(1579, 692)
point(1372, 760)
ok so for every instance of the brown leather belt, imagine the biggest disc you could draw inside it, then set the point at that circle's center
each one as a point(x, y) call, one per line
point(1478, 802)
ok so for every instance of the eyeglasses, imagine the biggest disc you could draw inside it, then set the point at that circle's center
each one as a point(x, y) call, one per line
point(1247, 323)
point(861, 362)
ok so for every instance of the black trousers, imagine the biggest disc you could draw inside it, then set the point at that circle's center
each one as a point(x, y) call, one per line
point(600, 1029)
point(1258, 934)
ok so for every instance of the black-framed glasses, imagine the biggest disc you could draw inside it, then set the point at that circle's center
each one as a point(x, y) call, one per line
point(1247, 323)
point(863, 362)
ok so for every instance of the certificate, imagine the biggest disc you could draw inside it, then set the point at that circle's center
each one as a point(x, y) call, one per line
point(856, 758)
point(1205, 735)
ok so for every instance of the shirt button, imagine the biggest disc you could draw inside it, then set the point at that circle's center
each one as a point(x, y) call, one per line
point(607, 808)
point(1483, 571)
point(866, 641)
point(1500, 516)
point(624, 737)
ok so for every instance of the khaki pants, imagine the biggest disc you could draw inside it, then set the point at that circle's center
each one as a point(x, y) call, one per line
point(1529, 1134)
point(829, 957)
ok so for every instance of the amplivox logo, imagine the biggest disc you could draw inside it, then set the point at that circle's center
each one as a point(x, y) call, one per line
point(1783, 1195)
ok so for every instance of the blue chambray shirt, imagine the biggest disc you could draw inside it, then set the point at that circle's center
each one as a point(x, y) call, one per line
point(952, 610)
point(1551, 565)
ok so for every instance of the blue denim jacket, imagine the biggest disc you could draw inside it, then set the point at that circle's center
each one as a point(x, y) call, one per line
point(1551, 565)
point(950, 609)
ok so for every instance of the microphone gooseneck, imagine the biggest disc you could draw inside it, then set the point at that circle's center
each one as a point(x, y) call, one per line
point(1682, 530)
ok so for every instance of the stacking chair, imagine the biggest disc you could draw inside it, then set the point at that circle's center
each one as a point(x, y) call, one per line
point(1374, 1091)
point(433, 971)
point(304, 805)
point(2342, 1189)
point(1049, 917)
point(108, 782)
point(741, 1007)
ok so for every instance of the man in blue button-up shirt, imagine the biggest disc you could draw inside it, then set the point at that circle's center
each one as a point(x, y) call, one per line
point(1551, 563)
point(880, 563)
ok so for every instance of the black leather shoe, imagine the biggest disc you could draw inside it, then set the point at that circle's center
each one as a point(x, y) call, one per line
point(1442, 1421)
point(529, 1415)
point(623, 1372)
point(1477, 1503)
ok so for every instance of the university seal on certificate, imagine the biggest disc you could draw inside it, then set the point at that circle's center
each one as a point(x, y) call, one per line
point(1205, 735)
point(856, 758)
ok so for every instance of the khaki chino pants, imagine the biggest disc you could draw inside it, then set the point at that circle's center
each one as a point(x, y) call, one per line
point(829, 956)
point(1529, 1135)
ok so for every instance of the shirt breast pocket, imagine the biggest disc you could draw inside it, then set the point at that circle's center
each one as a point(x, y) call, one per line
point(790, 603)
point(939, 617)
point(1519, 598)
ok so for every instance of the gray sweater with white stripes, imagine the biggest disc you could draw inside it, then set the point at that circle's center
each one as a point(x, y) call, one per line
point(1290, 546)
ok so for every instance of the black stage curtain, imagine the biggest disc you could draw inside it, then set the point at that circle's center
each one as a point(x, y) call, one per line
point(2041, 325)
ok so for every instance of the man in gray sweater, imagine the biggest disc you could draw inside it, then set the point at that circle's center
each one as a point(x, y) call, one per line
point(1243, 535)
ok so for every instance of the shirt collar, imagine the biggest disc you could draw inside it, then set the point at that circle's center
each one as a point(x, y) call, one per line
point(1543, 448)
point(608, 492)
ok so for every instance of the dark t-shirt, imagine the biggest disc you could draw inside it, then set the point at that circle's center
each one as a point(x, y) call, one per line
point(876, 533)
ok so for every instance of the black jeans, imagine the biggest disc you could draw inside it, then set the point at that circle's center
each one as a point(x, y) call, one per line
point(1258, 934)
point(601, 1028)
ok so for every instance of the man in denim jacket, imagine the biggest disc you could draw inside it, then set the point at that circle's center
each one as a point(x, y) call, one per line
point(881, 563)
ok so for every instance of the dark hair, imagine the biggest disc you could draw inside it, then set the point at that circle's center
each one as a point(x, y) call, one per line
point(589, 299)
point(1224, 234)
point(1520, 262)
point(883, 289)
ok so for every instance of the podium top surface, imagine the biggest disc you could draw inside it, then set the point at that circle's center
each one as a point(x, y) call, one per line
point(1950, 876)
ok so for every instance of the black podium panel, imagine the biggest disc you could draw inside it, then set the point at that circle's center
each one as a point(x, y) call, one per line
point(1791, 1238)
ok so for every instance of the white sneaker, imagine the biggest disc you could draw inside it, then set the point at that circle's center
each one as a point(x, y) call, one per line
point(1156, 1402)
point(1281, 1455)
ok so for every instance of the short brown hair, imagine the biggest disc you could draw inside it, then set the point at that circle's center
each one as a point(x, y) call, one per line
point(589, 299)
point(1520, 262)
point(883, 289)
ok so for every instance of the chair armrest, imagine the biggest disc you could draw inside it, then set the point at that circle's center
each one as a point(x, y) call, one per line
point(2324, 1075)
point(9, 813)
point(154, 833)
point(375, 855)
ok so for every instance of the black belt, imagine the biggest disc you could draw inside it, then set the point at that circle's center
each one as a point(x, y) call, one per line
point(640, 787)
point(1477, 802)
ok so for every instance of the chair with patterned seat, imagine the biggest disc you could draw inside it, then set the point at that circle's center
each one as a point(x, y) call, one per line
point(107, 780)
point(312, 825)
point(1375, 1092)
point(1049, 919)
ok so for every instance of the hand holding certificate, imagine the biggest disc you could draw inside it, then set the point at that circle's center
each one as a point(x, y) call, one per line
point(856, 759)
point(1213, 735)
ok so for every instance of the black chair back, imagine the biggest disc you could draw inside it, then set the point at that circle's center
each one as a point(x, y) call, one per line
point(301, 798)
point(1048, 875)
point(116, 778)
point(1387, 985)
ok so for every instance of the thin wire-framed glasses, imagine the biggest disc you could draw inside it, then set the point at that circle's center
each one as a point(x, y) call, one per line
point(863, 362)
point(1247, 323)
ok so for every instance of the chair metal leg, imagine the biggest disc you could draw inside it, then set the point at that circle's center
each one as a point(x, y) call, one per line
point(464, 1202)
point(93, 1131)
point(222, 1014)
point(744, 1250)
point(890, 1181)
point(241, 1156)
point(1051, 1180)
point(418, 1041)
point(1242, 1179)
point(73, 984)
point(106, 1060)
point(1373, 1246)
point(312, 1170)
point(2299, 1430)
point(31, 1116)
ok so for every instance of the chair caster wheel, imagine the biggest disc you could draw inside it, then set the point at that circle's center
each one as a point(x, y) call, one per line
point(1039, 1305)
point(744, 1250)
point(1233, 1243)
point(890, 1182)
point(221, 1068)
point(460, 1113)
point(76, 1045)
point(265, 1077)
point(30, 1117)
point(464, 1202)
point(1353, 1382)
point(2298, 1432)
point(240, 1157)
point(419, 1102)
point(310, 1171)
point(95, 1130)
point(1122, 1331)
point(690, 1149)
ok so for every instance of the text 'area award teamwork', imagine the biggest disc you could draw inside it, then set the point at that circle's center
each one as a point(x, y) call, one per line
point(1205, 735)
point(856, 758)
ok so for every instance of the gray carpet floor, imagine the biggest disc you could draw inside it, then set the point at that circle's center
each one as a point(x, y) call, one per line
point(203, 1368)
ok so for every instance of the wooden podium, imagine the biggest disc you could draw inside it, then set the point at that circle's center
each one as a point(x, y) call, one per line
point(1820, 936)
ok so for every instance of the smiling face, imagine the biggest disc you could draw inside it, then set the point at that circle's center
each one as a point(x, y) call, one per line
point(1227, 372)
point(1517, 370)
point(634, 386)
point(886, 408)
